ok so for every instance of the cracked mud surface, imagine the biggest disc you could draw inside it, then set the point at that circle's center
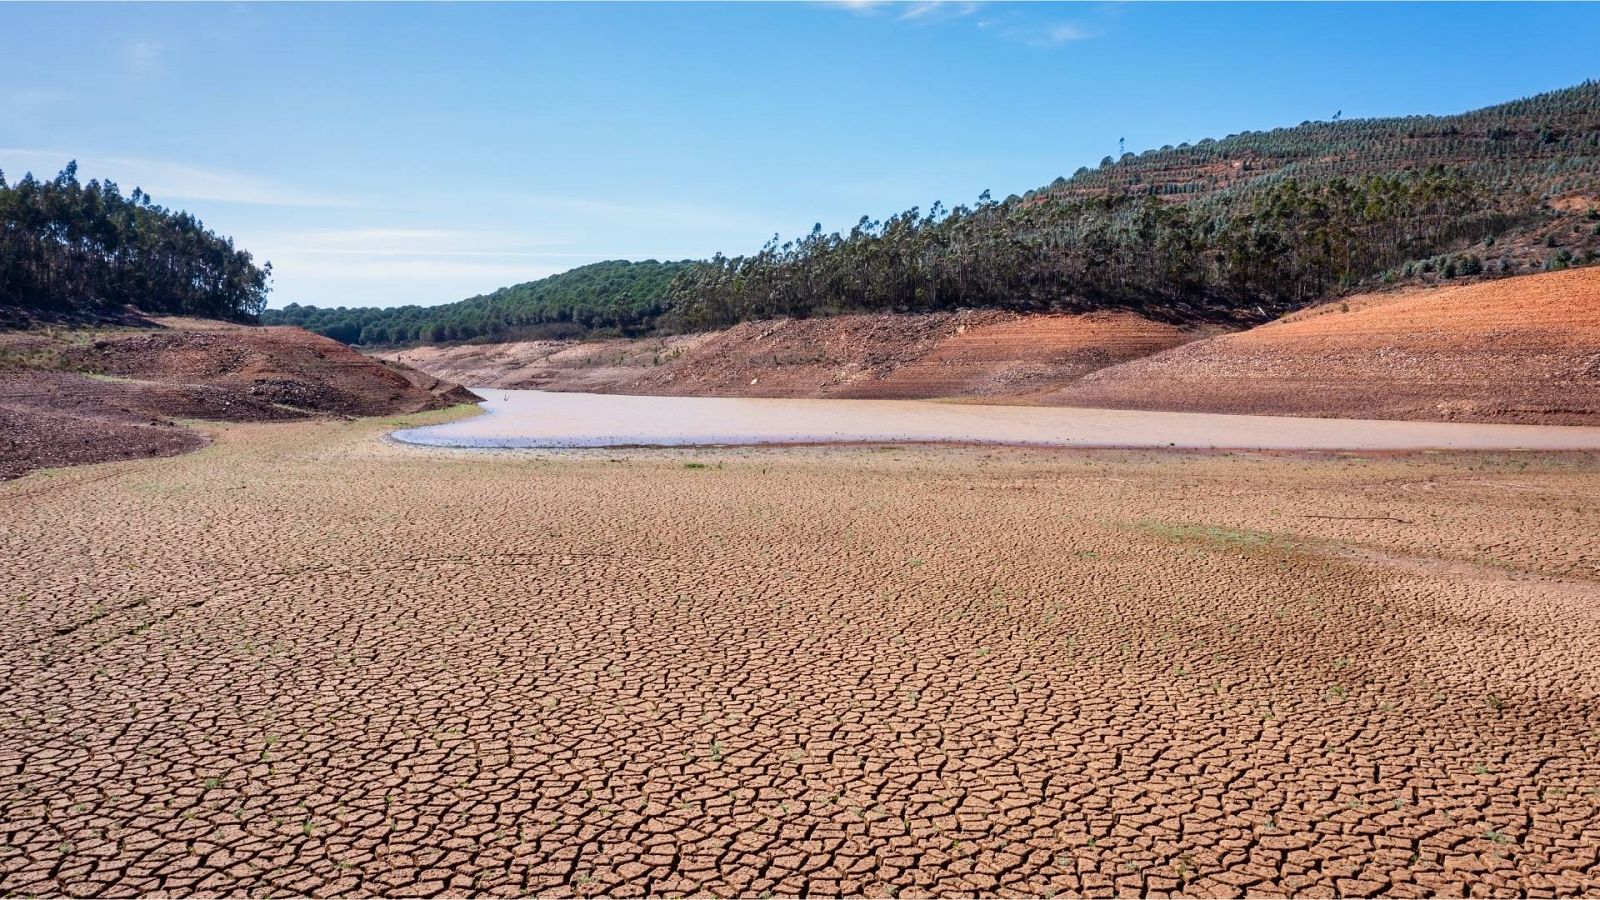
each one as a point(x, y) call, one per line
point(301, 661)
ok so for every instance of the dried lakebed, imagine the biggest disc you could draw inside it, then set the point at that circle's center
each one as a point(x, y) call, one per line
point(305, 662)
point(540, 419)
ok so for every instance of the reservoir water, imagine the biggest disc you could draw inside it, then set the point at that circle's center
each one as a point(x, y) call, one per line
point(535, 419)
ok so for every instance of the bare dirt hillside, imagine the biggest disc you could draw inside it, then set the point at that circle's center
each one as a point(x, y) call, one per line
point(565, 365)
point(280, 367)
point(78, 396)
point(1523, 349)
point(1017, 358)
point(994, 355)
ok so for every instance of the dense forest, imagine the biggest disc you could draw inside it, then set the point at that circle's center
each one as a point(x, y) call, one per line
point(73, 250)
point(1240, 228)
point(1291, 244)
point(616, 296)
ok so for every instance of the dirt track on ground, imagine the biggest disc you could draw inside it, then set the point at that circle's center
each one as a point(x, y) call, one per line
point(302, 661)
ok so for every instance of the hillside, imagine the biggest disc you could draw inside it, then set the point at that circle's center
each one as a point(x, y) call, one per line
point(1237, 230)
point(1523, 350)
point(1546, 145)
point(78, 396)
point(1516, 350)
point(614, 296)
point(1227, 232)
point(993, 355)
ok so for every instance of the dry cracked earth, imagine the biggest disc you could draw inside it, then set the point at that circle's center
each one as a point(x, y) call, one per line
point(305, 662)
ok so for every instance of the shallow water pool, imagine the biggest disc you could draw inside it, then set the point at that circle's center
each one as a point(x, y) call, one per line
point(543, 419)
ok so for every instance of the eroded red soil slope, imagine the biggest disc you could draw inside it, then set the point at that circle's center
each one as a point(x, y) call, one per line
point(1016, 358)
point(995, 355)
point(1521, 349)
point(76, 397)
point(286, 367)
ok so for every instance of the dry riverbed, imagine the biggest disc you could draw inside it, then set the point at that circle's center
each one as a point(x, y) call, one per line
point(305, 661)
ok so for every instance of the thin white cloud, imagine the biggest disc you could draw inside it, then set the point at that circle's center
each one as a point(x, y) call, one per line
point(909, 10)
point(425, 241)
point(297, 269)
point(665, 214)
point(34, 98)
point(458, 256)
point(164, 180)
point(465, 254)
point(340, 281)
point(386, 266)
point(930, 10)
point(860, 7)
point(143, 57)
point(1042, 35)
point(1016, 24)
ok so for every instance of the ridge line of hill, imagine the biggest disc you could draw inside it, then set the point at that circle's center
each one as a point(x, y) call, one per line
point(1232, 231)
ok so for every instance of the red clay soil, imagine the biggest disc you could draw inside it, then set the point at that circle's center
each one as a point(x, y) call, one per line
point(994, 355)
point(72, 398)
point(837, 356)
point(281, 365)
point(1020, 357)
point(1520, 350)
point(1523, 350)
point(38, 439)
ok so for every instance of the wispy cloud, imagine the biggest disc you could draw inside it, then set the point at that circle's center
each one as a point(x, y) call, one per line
point(1044, 35)
point(860, 7)
point(143, 57)
point(909, 10)
point(166, 180)
point(289, 270)
point(460, 256)
point(34, 98)
point(682, 214)
point(1020, 24)
point(386, 277)
point(931, 10)
point(412, 243)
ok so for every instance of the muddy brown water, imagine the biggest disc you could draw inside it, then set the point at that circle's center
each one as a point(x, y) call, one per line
point(540, 419)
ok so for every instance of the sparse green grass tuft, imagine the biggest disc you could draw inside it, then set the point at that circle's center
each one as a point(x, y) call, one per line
point(1215, 535)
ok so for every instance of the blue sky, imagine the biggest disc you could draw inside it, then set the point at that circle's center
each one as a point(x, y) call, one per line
point(381, 154)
